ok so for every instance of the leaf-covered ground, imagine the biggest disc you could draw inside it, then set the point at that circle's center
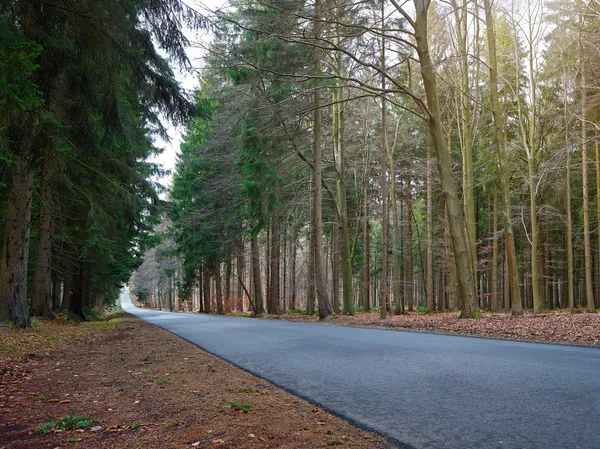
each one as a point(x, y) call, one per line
point(555, 327)
point(130, 384)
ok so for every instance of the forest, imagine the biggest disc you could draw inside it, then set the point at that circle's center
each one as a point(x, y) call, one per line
point(390, 156)
point(85, 89)
point(385, 155)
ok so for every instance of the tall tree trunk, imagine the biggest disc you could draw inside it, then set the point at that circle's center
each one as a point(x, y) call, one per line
point(218, 289)
point(366, 257)
point(456, 218)
point(499, 142)
point(461, 14)
point(339, 159)
point(589, 288)
point(494, 289)
point(430, 273)
point(293, 274)
point(15, 247)
point(200, 290)
point(56, 291)
point(206, 288)
point(322, 294)
point(310, 268)
point(335, 268)
point(273, 304)
point(67, 285)
point(227, 296)
point(409, 246)
point(384, 195)
point(396, 270)
point(256, 282)
point(597, 148)
point(239, 268)
point(41, 304)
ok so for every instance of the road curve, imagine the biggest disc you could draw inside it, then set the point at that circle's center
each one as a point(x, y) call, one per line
point(419, 390)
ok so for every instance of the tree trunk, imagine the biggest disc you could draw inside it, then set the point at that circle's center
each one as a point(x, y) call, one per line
point(335, 268)
point(15, 247)
point(366, 258)
point(239, 268)
point(409, 246)
point(589, 288)
point(42, 281)
point(384, 195)
point(322, 295)
point(396, 270)
point(67, 285)
point(430, 273)
point(460, 14)
point(499, 142)
point(200, 291)
point(206, 288)
point(494, 289)
point(273, 304)
point(456, 219)
point(227, 296)
point(293, 275)
point(218, 289)
point(256, 282)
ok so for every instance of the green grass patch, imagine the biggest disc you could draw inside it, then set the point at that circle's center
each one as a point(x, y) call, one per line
point(67, 423)
point(234, 405)
point(103, 325)
point(161, 383)
point(246, 390)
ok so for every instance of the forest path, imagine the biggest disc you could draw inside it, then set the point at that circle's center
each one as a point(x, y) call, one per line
point(420, 390)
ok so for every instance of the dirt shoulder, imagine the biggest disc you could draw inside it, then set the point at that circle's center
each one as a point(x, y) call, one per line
point(555, 327)
point(144, 387)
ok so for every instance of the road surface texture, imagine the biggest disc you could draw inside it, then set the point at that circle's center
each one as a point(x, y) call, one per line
point(419, 390)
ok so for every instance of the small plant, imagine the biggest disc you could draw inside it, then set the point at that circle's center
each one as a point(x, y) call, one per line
point(421, 308)
point(334, 443)
point(176, 371)
point(246, 390)
point(67, 423)
point(244, 408)
point(151, 358)
point(298, 311)
point(135, 426)
point(161, 383)
point(183, 409)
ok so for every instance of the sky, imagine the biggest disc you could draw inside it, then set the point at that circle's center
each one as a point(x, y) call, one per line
point(188, 81)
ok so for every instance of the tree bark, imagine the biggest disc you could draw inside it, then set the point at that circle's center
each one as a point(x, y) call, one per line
point(15, 247)
point(456, 218)
point(589, 288)
point(383, 177)
point(430, 273)
point(273, 304)
point(409, 246)
point(256, 282)
point(206, 288)
point(219, 289)
point(42, 281)
point(322, 294)
point(509, 241)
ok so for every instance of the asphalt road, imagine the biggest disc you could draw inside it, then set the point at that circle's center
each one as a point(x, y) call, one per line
point(419, 390)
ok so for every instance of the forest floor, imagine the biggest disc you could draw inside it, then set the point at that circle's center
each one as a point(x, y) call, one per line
point(551, 327)
point(126, 383)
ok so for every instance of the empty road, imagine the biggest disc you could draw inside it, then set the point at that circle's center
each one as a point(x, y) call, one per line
point(419, 390)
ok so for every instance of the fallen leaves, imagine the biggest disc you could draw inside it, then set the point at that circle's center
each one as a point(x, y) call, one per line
point(189, 413)
point(556, 327)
